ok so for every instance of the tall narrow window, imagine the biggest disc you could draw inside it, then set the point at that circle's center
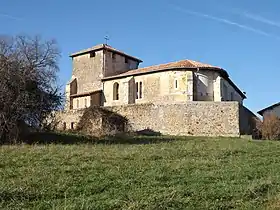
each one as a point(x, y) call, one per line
point(72, 125)
point(176, 84)
point(113, 56)
point(138, 90)
point(77, 103)
point(126, 60)
point(116, 91)
point(85, 102)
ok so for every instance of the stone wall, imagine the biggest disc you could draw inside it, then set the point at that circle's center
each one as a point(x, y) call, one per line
point(88, 71)
point(156, 88)
point(81, 102)
point(95, 121)
point(69, 119)
point(115, 64)
point(191, 118)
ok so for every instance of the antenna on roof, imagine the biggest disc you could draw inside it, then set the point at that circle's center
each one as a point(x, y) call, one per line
point(106, 37)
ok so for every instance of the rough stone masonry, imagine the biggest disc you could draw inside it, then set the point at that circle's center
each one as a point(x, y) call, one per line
point(189, 118)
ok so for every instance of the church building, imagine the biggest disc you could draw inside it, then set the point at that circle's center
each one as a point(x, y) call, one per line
point(105, 76)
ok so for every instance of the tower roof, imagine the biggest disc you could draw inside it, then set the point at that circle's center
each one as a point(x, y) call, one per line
point(106, 47)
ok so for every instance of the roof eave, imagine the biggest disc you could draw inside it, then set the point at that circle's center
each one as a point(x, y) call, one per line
point(86, 51)
point(268, 108)
point(260, 112)
point(101, 48)
point(236, 88)
point(160, 70)
point(84, 94)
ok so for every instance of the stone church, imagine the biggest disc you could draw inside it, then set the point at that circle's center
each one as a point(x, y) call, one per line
point(177, 91)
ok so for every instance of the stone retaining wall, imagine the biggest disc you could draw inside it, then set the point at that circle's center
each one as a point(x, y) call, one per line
point(67, 119)
point(189, 118)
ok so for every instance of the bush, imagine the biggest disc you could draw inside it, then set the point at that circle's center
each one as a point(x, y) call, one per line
point(98, 121)
point(270, 128)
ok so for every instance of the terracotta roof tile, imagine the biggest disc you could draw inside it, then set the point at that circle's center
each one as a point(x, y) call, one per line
point(172, 65)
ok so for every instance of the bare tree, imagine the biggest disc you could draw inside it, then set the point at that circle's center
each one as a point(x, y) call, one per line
point(28, 84)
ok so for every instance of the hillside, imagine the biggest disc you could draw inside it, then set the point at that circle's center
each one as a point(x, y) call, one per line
point(187, 173)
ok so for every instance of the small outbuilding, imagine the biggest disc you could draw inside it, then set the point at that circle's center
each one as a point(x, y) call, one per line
point(273, 109)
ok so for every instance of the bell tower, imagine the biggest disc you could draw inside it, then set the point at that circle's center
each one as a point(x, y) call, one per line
point(90, 66)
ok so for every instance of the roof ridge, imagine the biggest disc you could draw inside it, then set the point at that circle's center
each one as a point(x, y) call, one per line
point(155, 65)
point(191, 61)
point(104, 46)
point(194, 62)
point(186, 63)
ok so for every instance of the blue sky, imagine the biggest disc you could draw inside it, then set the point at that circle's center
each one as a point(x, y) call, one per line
point(242, 36)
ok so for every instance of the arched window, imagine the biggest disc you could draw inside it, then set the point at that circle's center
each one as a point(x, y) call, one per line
point(116, 91)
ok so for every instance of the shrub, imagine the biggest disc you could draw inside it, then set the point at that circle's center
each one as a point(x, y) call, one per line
point(270, 128)
point(98, 121)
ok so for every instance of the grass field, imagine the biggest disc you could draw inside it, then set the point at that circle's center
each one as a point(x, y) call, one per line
point(187, 173)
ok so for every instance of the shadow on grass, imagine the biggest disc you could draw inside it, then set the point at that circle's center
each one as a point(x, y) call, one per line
point(148, 132)
point(73, 138)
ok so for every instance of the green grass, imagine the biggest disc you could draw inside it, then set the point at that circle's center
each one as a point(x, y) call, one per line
point(188, 173)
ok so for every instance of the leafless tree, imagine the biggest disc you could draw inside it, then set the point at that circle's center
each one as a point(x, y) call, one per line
point(28, 84)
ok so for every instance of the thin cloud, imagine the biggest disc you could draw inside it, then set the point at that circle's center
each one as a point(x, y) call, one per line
point(9, 17)
point(261, 19)
point(226, 21)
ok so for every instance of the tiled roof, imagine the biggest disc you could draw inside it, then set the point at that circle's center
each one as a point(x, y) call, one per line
point(183, 64)
point(173, 65)
point(84, 94)
point(106, 47)
point(261, 112)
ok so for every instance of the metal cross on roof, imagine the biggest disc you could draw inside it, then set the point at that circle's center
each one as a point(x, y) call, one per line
point(106, 39)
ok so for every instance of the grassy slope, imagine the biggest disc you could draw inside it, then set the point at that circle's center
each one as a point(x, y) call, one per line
point(195, 173)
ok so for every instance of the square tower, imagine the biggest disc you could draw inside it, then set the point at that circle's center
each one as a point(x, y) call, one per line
point(89, 67)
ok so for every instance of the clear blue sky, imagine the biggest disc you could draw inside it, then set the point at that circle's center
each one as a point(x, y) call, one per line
point(242, 36)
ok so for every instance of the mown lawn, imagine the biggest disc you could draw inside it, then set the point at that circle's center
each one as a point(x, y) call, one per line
point(187, 173)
